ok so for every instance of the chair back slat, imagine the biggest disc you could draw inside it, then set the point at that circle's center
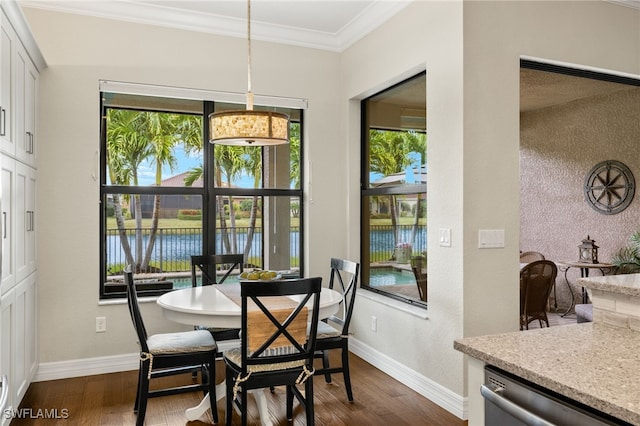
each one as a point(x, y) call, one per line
point(206, 267)
point(280, 334)
point(272, 335)
point(344, 278)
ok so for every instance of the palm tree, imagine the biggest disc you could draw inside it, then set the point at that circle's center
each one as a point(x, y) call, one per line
point(388, 155)
point(126, 150)
point(132, 138)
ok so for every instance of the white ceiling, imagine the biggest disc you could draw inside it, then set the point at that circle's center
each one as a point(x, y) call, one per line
point(323, 24)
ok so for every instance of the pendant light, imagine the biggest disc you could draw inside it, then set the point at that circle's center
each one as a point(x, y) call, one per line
point(248, 127)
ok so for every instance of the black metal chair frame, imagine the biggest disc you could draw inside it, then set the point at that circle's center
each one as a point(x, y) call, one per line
point(208, 266)
point(255, 371)
point(340, 341)
point(166, 364)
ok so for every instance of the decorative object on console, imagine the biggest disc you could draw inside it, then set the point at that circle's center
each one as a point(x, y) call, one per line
point(248, 127)
point(588, 251)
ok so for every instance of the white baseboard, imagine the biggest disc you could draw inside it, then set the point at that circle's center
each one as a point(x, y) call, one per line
point(445, 398)
point(86, 367)
point(438, 394)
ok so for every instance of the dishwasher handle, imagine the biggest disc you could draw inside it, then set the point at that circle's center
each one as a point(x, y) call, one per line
point(5, 393)
point(515, 410)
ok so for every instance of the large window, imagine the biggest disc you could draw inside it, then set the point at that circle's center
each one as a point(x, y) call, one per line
point(167, 194)
point(394, 192)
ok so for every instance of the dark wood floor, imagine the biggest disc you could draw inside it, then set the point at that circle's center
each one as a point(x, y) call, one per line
point(107, 399)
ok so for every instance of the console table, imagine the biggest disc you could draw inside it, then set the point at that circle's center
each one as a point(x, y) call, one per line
point(584, 273)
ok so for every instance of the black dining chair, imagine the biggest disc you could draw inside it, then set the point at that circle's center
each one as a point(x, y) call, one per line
point(278, 337)
point(168, 354)
point(344, 278)
point(205, 268)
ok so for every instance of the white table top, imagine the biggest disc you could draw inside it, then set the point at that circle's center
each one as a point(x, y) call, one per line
point(209, 307)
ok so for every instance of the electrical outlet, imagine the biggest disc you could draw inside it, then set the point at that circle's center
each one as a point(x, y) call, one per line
point(101, 324)
point(374, 324)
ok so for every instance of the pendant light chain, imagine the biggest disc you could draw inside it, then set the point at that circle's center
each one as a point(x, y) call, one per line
point(249, 92)
point(248, 127)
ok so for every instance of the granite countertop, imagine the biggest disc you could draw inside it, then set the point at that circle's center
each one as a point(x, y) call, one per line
point(628, 284)
point(596, 364)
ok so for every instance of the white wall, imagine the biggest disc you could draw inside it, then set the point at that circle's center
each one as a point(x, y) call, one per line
point(496, 34)
point(471, 53)
point(82, 50)
point(425, 35)
point(473, 142)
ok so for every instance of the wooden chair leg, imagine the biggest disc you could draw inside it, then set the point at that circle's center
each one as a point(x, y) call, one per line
point(308, 401)
point(289, 394)
point(137, 403)
point(211, 380)
point(229, 398)
point(243, 405)
point(325, 365)
point(345, 372)
point(142, 393)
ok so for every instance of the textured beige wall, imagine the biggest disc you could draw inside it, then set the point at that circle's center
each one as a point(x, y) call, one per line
point(558, 147)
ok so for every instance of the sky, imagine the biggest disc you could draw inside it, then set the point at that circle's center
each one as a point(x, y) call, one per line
point(186, 162)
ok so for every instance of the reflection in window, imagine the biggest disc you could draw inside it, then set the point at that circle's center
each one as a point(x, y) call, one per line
point(394, 198)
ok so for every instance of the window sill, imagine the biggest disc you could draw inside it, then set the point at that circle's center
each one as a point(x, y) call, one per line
point(123, 301)
point(416, 311)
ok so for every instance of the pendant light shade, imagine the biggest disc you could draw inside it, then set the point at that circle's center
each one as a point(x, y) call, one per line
point(248, 127)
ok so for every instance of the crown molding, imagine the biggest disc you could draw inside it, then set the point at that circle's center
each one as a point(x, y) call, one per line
point(372, 17)
point(634, 4)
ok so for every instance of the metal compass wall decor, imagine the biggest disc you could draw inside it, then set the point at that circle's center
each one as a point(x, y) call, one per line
point(609, 187)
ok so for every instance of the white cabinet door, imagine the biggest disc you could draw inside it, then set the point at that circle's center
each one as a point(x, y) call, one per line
point(25, 81)
point(19, 341)
point(18, 344)
point(31, 329)
point(25, 220)
point(7, 353)
point(8, 179)
point(24, 329)
point(8, 39)
point(30, 107)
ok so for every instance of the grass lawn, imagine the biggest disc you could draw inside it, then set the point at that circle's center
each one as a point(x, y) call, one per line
point(240, 223)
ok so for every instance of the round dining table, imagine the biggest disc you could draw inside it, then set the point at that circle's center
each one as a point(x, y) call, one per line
point(209, 306)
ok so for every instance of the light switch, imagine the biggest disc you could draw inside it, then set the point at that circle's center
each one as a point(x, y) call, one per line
point(490, 238)
point(445, 237)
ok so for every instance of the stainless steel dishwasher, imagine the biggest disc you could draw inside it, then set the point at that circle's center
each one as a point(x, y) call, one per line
point(512, 401)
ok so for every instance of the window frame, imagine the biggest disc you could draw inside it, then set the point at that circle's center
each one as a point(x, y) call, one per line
point(207, 192)
point(366, 192)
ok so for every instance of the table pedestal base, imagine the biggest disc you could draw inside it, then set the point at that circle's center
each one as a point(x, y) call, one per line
point(196, 412)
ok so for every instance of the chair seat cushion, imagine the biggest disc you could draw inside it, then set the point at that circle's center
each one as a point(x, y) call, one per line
point(186, 341)
point(235, 357)
point(325, 331)
point(221, 333)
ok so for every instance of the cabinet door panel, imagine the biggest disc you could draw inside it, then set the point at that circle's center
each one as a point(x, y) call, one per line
point(25, 240)
point(19, 368)
point(7, 337)
point(7, 175)
point(7, 44)
point(30, 105)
